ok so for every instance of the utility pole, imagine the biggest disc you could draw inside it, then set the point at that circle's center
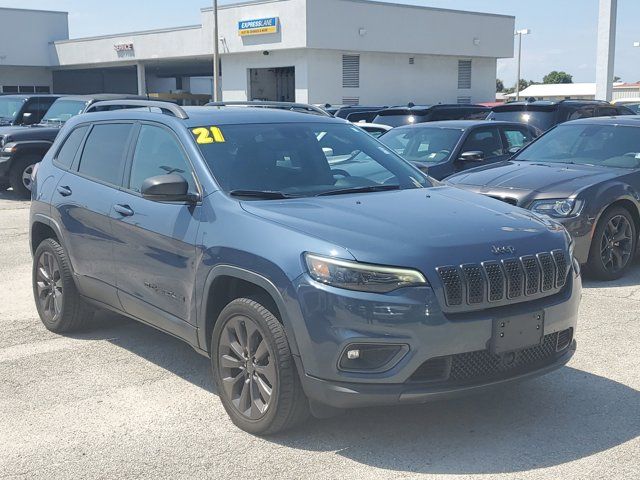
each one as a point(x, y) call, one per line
point(607, 14)
point(216, 55)
point(520, 33)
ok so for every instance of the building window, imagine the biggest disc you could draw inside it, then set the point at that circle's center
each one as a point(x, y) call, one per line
point(43, 89)
point(27, 89)
point(412, 60)
point(464, 100)
point(351, 100)
point(464, 74)
point(351, 71)
point(10, 89)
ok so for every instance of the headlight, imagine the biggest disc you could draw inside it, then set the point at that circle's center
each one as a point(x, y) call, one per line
point(360, 276)
point(558, 208)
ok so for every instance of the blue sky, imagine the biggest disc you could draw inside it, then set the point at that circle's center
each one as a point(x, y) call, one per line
point(564, 31)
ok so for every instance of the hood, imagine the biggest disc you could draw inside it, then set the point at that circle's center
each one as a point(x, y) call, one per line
point(553, 180)
point(416, 228)
point(35, 132)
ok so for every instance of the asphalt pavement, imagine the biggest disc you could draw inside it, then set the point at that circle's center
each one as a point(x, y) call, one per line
point(122, 400)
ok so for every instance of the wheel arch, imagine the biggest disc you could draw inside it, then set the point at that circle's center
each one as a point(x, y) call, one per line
point(225, 283)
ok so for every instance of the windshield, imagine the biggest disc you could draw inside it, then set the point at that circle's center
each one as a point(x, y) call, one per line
point(63, 110)
point(303, 159)
point(423, 144)
point(9, 107)
point(605, 145)
point(542, 120)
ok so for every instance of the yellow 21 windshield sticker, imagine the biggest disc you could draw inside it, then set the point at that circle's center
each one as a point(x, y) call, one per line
point(205, 135)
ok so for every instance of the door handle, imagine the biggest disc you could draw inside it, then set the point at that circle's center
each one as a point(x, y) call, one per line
point(64, 191)
point(124, 210)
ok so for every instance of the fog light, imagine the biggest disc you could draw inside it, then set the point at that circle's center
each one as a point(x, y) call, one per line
point(370, 357)
point(353, 354)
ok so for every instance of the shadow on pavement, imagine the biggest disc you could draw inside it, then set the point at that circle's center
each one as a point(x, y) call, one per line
point(631, 278)
point(565, 416)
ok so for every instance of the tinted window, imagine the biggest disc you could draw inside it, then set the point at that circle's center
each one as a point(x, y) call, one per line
point(104, 152)
point(158, 153)
point(517, 137)
point(485, 140)
point(67, 153)
point(541, 119)
point(633, 107)
point(9, 107)
point(586, 111)
point(607, 145)
point(304, 159)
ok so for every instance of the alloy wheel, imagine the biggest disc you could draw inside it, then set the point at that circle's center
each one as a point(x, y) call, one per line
point(616, 244)
point(246, 367)
point(27, 179)
point(49, 285)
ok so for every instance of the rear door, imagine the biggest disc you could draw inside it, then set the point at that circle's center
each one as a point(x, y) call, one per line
point(515, 137)
point(83, 200)
point(154, 255)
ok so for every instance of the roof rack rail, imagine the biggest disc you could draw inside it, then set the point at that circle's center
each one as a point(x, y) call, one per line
point(279, 105)
point(165, 107)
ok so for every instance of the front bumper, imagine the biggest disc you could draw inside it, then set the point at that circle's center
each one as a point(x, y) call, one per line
point(5, 164)
point(333, 319)
point(355, 395)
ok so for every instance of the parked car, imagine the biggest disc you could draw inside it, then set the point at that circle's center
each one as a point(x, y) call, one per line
point(545, 114)
point(397, 116)
point(345, 111)
point(584, 174)
point(230, 229)
point(441, 149)
point(374, 129)
point(24, 109)
point(22, 148)
point(631, 103)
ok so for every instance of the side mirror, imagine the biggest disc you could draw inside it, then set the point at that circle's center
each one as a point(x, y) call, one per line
point(166, 188)
point(28, 119)
point(514, 150)
point(328, 151)
point(473, 156)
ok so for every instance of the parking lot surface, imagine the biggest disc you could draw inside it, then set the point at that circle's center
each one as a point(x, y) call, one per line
point(123, 400)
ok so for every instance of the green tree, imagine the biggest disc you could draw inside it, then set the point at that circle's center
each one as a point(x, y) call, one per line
point(557, 77)
point(499, 85)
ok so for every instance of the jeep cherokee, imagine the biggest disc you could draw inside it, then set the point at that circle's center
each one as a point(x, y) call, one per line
point(316, 280)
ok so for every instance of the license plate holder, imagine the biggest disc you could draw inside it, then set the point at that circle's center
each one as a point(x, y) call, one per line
point(517, 332)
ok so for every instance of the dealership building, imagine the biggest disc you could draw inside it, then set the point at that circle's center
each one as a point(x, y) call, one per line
point(312, 51)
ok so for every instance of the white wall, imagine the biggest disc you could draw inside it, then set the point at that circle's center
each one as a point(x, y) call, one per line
point(389, 79)
point(336, 24)
point(25, 36)
point(29, 76)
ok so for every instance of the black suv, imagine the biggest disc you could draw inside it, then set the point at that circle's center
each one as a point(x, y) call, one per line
point(311, 280)
point(545, 114)
point(397, 116)
point(24, 109)
point(21, 148)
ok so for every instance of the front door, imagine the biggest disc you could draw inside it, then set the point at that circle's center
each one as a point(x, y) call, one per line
point(486, 140)
point(154, 256)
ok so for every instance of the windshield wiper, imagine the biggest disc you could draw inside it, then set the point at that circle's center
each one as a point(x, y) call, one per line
point(368, 188)
point(265, 194)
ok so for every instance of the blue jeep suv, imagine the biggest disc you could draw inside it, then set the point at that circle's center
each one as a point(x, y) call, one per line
point(317, 269)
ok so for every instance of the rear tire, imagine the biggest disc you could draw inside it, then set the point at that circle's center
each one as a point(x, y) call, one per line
point(254, 370)
point(20, 175)
point(613, 245)
point(59, 304)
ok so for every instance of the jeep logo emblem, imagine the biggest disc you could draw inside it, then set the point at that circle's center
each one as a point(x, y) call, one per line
point(502, 249)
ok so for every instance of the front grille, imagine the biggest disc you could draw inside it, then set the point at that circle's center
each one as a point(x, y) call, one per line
point(481, 365)
point(500, 281)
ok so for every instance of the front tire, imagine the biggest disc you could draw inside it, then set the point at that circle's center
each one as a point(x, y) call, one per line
point(613, 244)
point(254, 370)
point(59, 304)
point(20, 175)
